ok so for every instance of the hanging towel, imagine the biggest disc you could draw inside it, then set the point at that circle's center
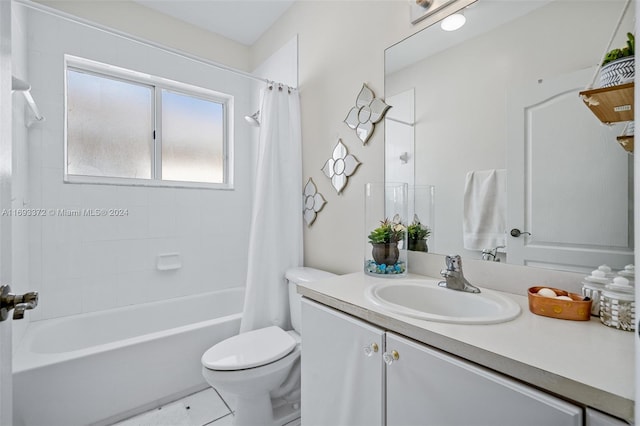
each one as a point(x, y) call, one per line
point(485, 209)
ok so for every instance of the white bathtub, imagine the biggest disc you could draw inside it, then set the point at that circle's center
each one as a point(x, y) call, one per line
point(101, 367)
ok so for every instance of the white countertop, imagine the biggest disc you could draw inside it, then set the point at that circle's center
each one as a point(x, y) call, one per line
point(583, 361)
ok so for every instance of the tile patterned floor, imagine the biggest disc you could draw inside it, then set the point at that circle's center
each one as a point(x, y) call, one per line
point(203, 408)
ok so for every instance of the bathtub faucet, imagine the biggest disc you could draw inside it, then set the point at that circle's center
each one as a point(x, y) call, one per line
point(19, 303)
point(455, 280)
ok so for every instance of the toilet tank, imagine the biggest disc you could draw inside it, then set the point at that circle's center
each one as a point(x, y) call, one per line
point(296, 276)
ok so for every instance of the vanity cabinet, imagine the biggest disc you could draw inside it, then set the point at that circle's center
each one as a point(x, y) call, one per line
point(354, 373)
point(428, 386)
point(342, 369)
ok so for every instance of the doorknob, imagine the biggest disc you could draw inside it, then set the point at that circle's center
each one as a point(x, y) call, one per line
point(19, 303)
point(515, 232)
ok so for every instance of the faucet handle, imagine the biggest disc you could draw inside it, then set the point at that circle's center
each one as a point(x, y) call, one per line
point(454, 262)
point(449, 262)
point(20, 303)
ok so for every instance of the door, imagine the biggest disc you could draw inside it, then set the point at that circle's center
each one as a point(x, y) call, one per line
point(547, 199)
point(399, 138)
point(342, 369)
point(5, 202)
point(429, 387)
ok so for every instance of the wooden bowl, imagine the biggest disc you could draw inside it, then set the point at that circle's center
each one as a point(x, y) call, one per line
point(576, 309)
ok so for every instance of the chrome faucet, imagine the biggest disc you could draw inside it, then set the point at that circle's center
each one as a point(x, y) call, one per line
point(454, 279)
point(491, 254)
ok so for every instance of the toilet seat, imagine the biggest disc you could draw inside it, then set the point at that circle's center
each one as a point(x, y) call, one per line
point(250, 349)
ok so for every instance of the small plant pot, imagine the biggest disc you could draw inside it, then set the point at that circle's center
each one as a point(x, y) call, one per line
point(618, 72)
point(385, 253)
point(418, 245)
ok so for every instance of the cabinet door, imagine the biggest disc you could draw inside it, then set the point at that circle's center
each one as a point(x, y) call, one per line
point(430, 387)
point(342, 373)
point(596, 418)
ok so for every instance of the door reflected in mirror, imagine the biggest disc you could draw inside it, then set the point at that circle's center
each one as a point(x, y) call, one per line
point(501, 94)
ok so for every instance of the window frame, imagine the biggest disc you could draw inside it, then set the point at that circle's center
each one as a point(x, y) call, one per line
point(157, 85)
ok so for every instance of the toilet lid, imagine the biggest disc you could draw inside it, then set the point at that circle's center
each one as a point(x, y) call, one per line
point(250, 349)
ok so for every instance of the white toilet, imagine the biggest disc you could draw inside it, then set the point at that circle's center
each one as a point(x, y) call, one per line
point(261, 368)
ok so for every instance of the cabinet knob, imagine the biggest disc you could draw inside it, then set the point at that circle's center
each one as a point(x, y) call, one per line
point(371, 349)
point(390, 357)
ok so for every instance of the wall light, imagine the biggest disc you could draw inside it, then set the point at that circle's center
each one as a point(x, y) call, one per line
point(453, 22)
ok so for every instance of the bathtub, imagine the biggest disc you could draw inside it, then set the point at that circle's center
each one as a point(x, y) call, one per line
point(102, 367)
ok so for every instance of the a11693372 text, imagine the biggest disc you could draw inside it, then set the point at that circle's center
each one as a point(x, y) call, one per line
point(85, 212)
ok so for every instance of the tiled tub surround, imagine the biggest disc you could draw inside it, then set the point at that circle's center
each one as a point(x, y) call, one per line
point(101, 367)
point(82, 264)
point(582, 361)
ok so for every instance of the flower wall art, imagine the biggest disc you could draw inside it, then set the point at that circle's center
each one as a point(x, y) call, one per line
point(368, 111)
point(340, 166)
point(313, 202)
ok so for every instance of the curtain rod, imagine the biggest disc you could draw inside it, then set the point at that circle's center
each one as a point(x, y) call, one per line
point(18, 85)
point(69, 17)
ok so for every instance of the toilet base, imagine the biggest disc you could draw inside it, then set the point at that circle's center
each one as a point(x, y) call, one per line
point(285, 412)
point(253, 410)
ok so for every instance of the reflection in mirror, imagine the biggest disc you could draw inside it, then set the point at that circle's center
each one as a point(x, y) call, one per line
point(502, 94)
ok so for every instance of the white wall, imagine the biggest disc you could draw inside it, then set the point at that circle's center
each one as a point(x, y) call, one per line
point(19, 185)
point(83, 264)
point(282, 65)
point(341, 46)
point(132, 18)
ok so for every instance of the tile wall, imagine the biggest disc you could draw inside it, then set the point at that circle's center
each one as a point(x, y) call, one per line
point(85, 264)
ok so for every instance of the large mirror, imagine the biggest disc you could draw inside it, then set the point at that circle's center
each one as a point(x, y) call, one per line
point(488, 119)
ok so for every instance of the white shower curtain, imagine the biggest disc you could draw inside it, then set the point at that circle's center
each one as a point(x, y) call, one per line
point(275, 242)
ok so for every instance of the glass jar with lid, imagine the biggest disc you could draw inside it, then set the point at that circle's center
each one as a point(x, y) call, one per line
point(617, 305)
point(593, 291)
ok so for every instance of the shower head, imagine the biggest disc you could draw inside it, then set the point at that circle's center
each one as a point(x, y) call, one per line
point(254, 119)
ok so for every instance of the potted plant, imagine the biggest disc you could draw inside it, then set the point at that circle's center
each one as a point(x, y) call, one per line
point(417, 234)
point(384, 240)
point(618, 66)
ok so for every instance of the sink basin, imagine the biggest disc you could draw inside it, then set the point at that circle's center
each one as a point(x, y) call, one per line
point(424, 299)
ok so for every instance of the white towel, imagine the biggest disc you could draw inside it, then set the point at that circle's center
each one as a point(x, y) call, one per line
point(485, 209)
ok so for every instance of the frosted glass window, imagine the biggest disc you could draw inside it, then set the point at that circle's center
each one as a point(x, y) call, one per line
point(192, 138)
point(109, 127)
point(125, 127)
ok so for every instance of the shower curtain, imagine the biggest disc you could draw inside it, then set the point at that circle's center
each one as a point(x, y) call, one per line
point(275, 242)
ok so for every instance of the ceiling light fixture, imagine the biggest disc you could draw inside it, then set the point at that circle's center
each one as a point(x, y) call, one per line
point(453, 22)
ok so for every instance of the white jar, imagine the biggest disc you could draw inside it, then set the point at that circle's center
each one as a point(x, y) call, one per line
point(618, 306)
point(593, 291)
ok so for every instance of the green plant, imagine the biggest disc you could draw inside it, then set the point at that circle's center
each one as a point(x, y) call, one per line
point(389, 231)
point(628, 50)
point(417, 231)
